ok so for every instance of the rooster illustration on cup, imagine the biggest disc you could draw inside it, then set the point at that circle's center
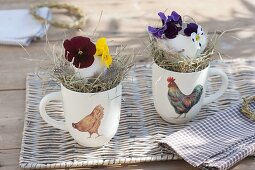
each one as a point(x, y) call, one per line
point(182, 103)
point(91, 122)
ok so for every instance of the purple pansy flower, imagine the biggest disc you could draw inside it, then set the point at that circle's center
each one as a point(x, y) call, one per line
point(176, 18)
point(191, 27)
point(196, 33)
point(172, 30)
point(169, 27)
point(158, 32)
point(80, 51)
point(162, 17)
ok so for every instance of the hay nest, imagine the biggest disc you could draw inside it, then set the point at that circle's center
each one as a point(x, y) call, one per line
point(63, 72)
point(174, 61)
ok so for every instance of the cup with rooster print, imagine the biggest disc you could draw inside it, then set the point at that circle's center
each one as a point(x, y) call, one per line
point(91, 100)
point(178, 97)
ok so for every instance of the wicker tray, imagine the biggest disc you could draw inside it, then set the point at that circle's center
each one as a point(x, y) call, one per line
point(140, 126)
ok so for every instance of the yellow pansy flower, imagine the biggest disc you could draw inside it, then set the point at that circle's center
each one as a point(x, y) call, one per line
point(107, 59)
point(102, 50)
point(101, 46)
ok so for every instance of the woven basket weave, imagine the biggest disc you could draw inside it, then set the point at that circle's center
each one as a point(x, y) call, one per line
point(140, 126)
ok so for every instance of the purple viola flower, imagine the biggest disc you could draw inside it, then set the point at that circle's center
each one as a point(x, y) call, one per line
point(176, 18)
point(172, 30)
point(158, 32)
point(163, 18)
point(191, 27)
point(169, 27)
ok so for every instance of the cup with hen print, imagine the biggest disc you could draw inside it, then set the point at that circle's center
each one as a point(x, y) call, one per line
point(92, 119)
point(178, 97)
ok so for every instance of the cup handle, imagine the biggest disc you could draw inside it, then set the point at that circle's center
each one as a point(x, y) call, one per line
point(223, 88)
point(45, 100)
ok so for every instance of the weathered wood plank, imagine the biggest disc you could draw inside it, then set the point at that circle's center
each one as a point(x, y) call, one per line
point(16, 63)
point(11, 133)
point(9, 159)
point(248, 163)
point(12, 106)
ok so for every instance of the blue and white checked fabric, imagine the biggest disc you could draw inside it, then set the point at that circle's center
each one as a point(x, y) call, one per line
point(217, 142)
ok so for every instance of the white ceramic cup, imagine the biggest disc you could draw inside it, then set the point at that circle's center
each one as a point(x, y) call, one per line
point(178, 97)
point(92, 119)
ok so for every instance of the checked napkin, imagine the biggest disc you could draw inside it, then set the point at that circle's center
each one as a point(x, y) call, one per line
point(217, 142)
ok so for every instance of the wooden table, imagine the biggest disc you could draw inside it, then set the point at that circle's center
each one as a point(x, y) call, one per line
point(122, 22)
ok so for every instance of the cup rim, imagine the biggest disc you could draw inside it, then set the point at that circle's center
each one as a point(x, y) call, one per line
point(106, 91)
point(182, 72)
